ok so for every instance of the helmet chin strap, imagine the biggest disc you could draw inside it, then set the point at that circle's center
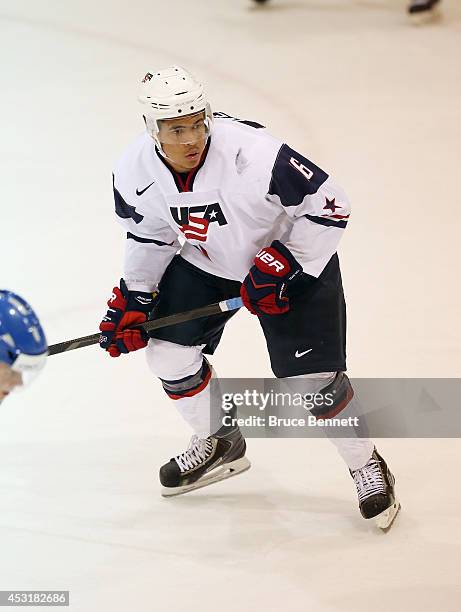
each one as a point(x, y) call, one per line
point(159, 147)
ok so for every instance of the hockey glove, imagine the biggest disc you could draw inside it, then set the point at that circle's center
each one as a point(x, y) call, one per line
point(263, 290)
point(126, 309)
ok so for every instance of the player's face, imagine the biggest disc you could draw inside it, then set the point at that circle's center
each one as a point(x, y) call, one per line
point(183, 140)
point(8, 380)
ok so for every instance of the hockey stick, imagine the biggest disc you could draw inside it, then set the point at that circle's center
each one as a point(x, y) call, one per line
point(180, 317)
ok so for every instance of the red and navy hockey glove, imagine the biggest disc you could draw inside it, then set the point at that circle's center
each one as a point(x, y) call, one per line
point(263, 290)
point(126, 309)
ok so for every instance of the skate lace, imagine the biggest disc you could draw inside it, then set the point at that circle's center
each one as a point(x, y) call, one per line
point(198, 451)
point(369, 480)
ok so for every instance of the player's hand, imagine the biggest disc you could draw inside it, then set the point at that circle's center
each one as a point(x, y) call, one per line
point(126, 309)
point(263, 290)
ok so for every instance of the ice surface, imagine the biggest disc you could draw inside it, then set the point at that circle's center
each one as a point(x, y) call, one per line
point(367, 96)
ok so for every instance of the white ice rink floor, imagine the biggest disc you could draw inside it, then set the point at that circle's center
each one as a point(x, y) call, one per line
point(368, 96)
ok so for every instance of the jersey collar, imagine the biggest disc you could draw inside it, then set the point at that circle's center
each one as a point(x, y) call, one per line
point(185, 180)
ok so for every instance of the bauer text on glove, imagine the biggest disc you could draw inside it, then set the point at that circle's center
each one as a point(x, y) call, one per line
point(263, 290)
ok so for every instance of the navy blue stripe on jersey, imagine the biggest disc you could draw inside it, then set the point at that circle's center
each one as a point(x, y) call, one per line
point(131, 236)
point(253, 124)
point(124, 210)
point(294, 177)
point(327, 222)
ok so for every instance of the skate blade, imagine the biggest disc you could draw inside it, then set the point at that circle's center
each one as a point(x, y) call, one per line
point(386, 518)
point(225, 471)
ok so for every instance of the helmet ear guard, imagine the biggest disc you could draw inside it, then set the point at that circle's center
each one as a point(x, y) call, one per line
point(29, 366)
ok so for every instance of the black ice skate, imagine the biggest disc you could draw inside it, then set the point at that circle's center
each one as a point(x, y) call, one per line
point(375, 488)
point(421, 7)
point(204, 462)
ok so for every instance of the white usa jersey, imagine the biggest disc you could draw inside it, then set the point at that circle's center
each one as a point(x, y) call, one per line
point(248, 190)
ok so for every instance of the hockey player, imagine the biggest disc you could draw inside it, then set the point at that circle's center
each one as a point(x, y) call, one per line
point(422, 7)
point(255, 218)
point(416, 7)
point(23, 346)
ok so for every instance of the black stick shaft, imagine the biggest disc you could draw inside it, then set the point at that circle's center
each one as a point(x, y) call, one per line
point(180, 317)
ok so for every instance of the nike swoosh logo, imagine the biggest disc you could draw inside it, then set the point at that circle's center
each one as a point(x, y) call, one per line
point(142, 300)
point(298, 355)
point(138, 192)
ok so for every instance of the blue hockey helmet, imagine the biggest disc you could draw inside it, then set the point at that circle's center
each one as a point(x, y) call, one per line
point(23, 344)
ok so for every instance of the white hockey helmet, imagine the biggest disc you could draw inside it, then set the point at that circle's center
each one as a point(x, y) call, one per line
point(171, 93)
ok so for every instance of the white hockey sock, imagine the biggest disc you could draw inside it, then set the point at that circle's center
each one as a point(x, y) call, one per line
point(196, 411)
point(355, 451)
point(173, 362)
